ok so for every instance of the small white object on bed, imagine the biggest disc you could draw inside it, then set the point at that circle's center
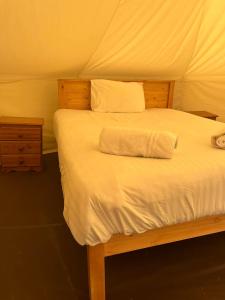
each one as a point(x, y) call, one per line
point(218, 140)
point(137, 142)
point(108, 194)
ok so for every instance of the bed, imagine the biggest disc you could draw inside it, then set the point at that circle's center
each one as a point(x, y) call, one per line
point(118, 204)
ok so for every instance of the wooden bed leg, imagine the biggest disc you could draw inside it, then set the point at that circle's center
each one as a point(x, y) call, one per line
point(96, 272)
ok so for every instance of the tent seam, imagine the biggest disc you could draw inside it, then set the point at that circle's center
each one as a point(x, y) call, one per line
point(196, 40)
point(102, 38)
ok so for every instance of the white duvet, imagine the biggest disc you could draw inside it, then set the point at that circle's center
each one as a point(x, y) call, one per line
point(107, 194)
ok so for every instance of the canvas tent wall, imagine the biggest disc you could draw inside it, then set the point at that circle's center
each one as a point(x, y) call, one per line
point(42, 40)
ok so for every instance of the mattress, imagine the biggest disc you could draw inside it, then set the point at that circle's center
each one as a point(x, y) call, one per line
point(107, 194)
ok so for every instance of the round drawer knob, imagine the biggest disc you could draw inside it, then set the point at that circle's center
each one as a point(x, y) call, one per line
point(21, 162)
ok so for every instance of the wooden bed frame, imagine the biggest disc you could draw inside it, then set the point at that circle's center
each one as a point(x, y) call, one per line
point(75, 94)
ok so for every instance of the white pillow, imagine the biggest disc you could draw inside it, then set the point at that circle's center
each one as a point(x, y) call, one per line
point(117, 96)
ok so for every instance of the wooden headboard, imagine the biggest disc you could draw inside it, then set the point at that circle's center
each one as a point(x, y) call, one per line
point(76, 94)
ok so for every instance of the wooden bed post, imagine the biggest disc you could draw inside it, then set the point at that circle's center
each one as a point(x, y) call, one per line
point(96, 272)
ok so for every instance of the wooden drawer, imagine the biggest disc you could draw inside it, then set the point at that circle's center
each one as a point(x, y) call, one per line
point(21, 160)
point(14, 147)
point(12, 133)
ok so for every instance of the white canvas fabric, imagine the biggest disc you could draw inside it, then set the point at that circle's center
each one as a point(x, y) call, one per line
point(152, 39)
point(107, 194)
point(116, 96)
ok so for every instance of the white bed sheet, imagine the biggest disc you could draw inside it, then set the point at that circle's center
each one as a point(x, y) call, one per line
point(106, 194)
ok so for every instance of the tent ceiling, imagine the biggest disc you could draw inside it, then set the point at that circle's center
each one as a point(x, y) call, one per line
point(98, 37)
point(148, 39)
point(208, 61)
point(47, 37)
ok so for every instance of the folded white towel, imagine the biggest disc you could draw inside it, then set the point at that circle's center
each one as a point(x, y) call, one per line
point(137, 142)
point(218, 140)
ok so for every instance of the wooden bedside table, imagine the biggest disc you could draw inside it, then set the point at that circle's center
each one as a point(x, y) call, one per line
point(204, 114)
point(20, 144)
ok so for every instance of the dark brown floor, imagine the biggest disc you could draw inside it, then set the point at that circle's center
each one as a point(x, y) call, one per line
point(39, 259)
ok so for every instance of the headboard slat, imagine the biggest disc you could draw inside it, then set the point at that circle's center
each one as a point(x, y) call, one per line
point(76, 94)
